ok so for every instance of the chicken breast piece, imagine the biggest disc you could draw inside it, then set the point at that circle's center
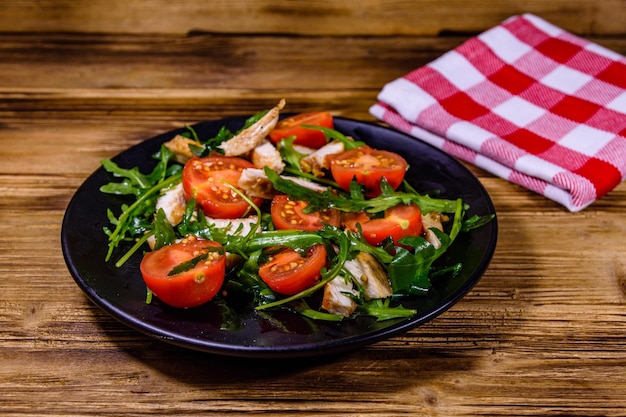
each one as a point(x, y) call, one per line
point(335, 300)
point(303, 149)
point(371, 275)
point(255, 183)
point(265, 154)
point(179, 145)
point(317, 161)
point(173, 203)
point(249, 138)
point(432, 220)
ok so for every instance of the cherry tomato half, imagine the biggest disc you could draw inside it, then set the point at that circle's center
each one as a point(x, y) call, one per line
point(287, 214)
point(289, 273)
point(203, 179)
point(399, 221)
point(292, 126)
point(367, 166)
point(192, 287)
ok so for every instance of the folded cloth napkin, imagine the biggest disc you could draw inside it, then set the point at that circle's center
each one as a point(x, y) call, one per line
point(526, 101)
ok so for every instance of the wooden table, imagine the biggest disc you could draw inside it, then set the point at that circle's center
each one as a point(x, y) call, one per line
point(543, 333)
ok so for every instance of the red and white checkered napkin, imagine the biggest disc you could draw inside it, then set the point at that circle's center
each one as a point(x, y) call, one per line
point(526, 101)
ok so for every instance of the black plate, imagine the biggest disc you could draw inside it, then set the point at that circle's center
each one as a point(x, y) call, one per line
point(121, 291)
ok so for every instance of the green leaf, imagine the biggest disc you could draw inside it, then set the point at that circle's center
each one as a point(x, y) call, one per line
point(409, 270)
point(476, 222)
point(301, 307)
point(191, 264)
point(212, 144)
point(289, 155)
point(128, 216)
point(135, 177)
point(336, 135)
point(381, 310)
point(163, 230)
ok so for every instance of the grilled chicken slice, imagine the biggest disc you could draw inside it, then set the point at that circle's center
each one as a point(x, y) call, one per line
point(173, 203)
point(265, 154)
point(249, 138)
point(335, 300)
point(305, 150)
point(255, 183)
point(179, 145)
point(317, 161)
point(432, 220)
point(370, 275)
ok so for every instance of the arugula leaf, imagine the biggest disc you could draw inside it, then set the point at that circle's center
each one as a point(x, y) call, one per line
point(163, 230)
point(297, 240)
point(248, 280)
point(320, 201)
point(382, 310)
point(212, 144)
point(302, 308)
point(333, 134)
point(134, 181)
point(476, 222)
point(125, 220)
point(162, 169)
point(191, 264)
point(289, 154)
point(408, 272)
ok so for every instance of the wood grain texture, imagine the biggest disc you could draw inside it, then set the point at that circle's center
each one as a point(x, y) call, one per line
point(305, 17)
point(542, 334)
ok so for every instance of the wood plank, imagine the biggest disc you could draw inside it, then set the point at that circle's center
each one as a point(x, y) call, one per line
point(321, 17)
point(142, 66)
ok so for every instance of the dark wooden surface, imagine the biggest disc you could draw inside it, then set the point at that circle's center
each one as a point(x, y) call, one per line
point(543, 333)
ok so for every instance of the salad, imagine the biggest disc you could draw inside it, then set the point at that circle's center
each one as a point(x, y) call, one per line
point(285, 213)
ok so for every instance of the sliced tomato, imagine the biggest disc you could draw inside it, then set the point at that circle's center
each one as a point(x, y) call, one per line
point(367, 166)
point(191, 287)
point(292, 126)
point(288, 214)
point(350, 220)
point(398, 222)
point(204, 179)
point(288, 273)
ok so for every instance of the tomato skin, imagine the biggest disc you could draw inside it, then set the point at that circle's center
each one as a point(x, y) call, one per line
point(189, 288)
point(292, 126)
point(367, 166)
point(350, 220)
point(287, 215)
point(288, 273)
point(203, 180)
point(399, 221)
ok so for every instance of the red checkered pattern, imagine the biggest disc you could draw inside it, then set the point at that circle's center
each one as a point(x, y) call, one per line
point(526, 101)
